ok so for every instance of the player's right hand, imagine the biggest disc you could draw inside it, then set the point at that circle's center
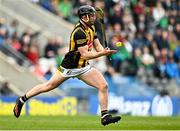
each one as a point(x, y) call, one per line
point(107, 51)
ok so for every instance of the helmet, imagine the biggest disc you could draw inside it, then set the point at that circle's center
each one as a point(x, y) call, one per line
point(85, 9)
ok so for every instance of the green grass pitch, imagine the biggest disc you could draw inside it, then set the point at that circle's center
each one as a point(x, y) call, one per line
point(87, 123)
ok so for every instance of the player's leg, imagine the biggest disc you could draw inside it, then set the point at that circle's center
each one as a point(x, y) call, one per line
point(55, 80)
point(95, 78)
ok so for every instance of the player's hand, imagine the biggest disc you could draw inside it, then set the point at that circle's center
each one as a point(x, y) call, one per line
point(107, 51)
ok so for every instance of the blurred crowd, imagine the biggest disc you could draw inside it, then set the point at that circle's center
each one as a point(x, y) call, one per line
point(26, 44)
point(148, 29)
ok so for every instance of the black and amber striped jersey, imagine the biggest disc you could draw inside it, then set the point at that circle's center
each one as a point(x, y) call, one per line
point(80, 36)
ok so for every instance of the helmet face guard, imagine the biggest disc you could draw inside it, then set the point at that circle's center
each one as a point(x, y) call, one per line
point(86, 10)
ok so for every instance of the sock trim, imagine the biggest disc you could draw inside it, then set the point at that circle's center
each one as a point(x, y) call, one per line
point(21, 100)
point(104, 115)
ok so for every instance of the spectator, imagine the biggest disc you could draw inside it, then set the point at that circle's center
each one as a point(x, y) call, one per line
point(158, 12)
point(177, 31)
point(49, 5)
point(3, 32)
point(13, 27)
point(147, 58)
point(138, 9)
point(118, 57)
point(138, 41)
point(128, 23)
point(164, 41)
point(64, 8)
point(160, 66)
point(141, 25)
point(177, 53)
point(136, 60)
point(116, 16)
point(4, 89)
point(32, 54)
point(15, 44)
point(173, 42)
point(50, 49)
point(172, 67)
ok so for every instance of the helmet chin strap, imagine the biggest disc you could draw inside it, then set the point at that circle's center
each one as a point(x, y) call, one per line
point(87, 21)
point(87, 16)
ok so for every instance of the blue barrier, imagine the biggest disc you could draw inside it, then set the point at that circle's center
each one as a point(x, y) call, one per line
point(139, 106)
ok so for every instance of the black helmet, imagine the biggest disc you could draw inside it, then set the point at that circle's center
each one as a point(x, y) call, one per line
point(85, 9)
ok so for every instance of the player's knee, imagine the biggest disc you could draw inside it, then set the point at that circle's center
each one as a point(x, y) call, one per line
point(103, 86)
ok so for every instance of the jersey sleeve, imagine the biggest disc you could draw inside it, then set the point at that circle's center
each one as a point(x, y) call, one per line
point(80, 38)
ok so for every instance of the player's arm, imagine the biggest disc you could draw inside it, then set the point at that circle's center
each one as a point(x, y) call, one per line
point(97, 45)
point(91, 55)
point(81, 43)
